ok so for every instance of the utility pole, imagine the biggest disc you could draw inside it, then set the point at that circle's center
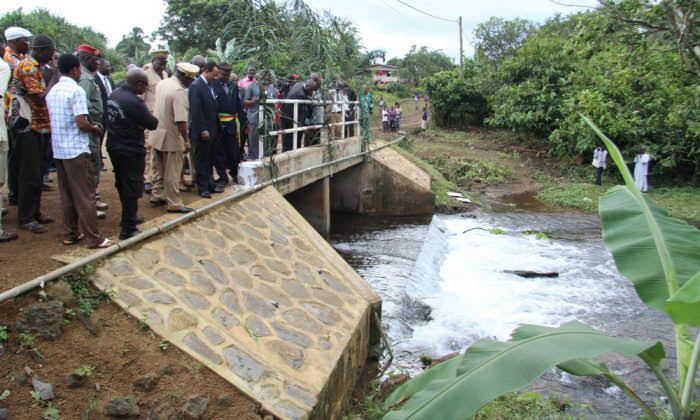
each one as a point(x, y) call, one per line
point(461, 50)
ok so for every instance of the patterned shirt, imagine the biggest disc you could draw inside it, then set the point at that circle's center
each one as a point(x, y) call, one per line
point(12, 58)
point(28, 80)
point(66, 101)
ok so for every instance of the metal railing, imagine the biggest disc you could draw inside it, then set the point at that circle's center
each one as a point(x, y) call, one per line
point(297, 126)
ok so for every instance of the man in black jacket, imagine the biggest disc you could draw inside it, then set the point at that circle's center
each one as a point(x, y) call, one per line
point(204, 128)
point(127, 117)
point(298, 91)
point(106, 86)
point(228, 153)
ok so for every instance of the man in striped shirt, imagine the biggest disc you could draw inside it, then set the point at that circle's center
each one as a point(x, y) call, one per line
point(71, 131)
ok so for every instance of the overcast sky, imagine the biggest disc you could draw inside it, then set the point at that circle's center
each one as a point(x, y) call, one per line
point(383, 24)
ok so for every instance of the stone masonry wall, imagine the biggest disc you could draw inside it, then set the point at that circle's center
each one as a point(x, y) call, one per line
point(254, 293)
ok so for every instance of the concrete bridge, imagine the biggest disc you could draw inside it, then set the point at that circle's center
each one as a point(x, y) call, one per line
point(247, 286)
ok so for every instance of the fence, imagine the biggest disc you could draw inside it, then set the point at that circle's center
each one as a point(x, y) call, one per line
point(297, 126)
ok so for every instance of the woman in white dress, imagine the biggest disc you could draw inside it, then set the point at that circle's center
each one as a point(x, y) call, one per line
point(641, 170)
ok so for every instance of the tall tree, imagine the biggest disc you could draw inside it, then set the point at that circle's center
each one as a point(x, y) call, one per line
point(192, 24)
point(498, 38)
point(419, 63)
point(133, 46)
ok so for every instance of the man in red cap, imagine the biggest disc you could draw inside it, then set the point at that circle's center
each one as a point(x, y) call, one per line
point(89, 61)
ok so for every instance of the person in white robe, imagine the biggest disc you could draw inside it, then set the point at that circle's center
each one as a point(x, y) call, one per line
point(641, 170)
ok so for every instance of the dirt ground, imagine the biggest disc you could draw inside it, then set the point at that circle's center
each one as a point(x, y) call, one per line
point(120, 354)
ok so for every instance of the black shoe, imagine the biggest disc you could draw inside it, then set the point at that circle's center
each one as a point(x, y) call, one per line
point(182, 209)
point(4, 212)
point(186, 172)
point(139, 220)
point(217, 190)
point(158, 203)
point(126, 235)
point(205, 194)
point(51, 169)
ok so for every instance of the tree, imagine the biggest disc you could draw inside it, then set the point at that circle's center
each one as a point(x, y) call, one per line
point(498, 38)
point(419, 63)
point(193, 24)
point(133, 47)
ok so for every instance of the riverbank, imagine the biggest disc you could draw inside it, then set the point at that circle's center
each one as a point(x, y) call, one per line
point(488, 164)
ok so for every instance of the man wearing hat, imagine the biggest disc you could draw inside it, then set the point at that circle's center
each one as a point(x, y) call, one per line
point(89, 61)
point(16, 50)
point(155, 73)
point(31, 130)
point(170, 141)
point(228, 154)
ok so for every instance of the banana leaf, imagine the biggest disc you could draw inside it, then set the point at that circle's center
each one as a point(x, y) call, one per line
point(684, 306)
point(490, 369)
point(656, 252)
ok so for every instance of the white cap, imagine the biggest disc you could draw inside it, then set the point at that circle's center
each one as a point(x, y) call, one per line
point(14, 32)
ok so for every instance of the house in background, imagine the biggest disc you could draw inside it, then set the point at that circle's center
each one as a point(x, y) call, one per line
point(384, 73)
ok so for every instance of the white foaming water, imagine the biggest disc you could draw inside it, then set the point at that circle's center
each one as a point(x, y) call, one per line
point(473, 298)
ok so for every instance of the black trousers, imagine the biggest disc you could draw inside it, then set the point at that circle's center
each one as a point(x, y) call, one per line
point(12, 169)
point(128, 178)
point(204, 152)
point(228, 154)
point(598, 175)
point(30, 149)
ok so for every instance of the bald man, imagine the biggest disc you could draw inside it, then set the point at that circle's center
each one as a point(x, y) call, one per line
point(127, 117)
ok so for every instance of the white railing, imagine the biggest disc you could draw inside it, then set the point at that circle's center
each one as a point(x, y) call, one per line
point(297, 128)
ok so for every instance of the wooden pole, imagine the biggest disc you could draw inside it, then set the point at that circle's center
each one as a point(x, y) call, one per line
point(461, 50)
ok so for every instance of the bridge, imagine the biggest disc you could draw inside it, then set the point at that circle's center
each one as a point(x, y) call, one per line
point(249, 286)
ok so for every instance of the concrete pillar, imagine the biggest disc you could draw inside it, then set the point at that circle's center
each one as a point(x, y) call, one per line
point(313, 202)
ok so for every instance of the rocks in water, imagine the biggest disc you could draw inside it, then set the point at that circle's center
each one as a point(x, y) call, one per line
point(122, 407)
point(532, 274)
point(195, 407)
point(45, 318)
point(45, 390)
point(146, 382)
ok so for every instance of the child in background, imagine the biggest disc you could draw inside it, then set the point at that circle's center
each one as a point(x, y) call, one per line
point(385, 119)
point(424, 120)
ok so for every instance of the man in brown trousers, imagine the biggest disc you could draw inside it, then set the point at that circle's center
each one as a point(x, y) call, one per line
point(71, 131)
point(170, 140)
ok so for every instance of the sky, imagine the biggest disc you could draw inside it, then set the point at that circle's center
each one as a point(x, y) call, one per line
point(383, 24)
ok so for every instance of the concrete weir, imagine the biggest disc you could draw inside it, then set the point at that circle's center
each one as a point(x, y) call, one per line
point(255, 293)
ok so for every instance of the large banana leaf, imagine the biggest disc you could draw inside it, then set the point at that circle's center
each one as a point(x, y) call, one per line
point(490, 368)
point(684, 306)
point(656, 252)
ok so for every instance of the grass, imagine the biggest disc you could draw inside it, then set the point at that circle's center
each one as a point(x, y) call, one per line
point(463, 171)
point(87, 297)
point(438, 183)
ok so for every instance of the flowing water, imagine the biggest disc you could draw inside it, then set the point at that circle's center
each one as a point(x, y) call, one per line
point(443, 286)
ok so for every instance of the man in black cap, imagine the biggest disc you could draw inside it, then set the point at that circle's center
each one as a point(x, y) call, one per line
point(127, 117)
point(228, 154)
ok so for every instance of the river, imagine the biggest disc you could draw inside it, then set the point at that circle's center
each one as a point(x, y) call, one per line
point(443, 286)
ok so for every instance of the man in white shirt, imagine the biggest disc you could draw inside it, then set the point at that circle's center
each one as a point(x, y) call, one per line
point(5, 74)
point(70, 137)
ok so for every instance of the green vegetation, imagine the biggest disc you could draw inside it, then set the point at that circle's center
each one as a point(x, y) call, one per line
point(526, 406)
point(571, 194)
point(3, 333)
point(657, 253)
point(420, 63)
point(438, 183)
point(496, 231)
point(84, 371)
point(629, 64)
point(464, 171)
point(87, 298)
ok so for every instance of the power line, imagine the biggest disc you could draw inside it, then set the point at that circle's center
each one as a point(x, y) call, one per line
point(426, 13)
point(401, 14)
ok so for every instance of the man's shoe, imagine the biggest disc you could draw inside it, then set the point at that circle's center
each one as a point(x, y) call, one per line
point(6, 236)
point(102, 206)
point(205, 194)
point(147, 187)
point(34, 227)
point(46, 179)
point(101, 214)
point(126, 235)
point(139, 220)
point(4, 212)
point(182, 209)
point(51, 170)
point(98, 195)
point(45, 219)
point(158, 203)
point(217, 190)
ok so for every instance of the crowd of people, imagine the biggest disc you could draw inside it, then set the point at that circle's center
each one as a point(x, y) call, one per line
point(158, 125)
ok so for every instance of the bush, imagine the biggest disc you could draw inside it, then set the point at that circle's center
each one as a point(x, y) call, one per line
point(455, 102)
point(401, 90)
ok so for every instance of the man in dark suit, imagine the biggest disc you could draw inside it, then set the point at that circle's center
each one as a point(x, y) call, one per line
point(204, 128)
point(298, 91)
point(106, 86)
point(228, 154)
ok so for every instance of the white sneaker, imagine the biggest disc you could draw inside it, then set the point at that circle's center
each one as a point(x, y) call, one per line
point(101, 214)
point(102, 206)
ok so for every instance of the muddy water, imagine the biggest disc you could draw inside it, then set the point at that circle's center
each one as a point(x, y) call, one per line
point(443, 289)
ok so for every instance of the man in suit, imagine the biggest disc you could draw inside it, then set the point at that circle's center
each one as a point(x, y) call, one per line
point(106, 86)
point(204, 128)
point(228, 153)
